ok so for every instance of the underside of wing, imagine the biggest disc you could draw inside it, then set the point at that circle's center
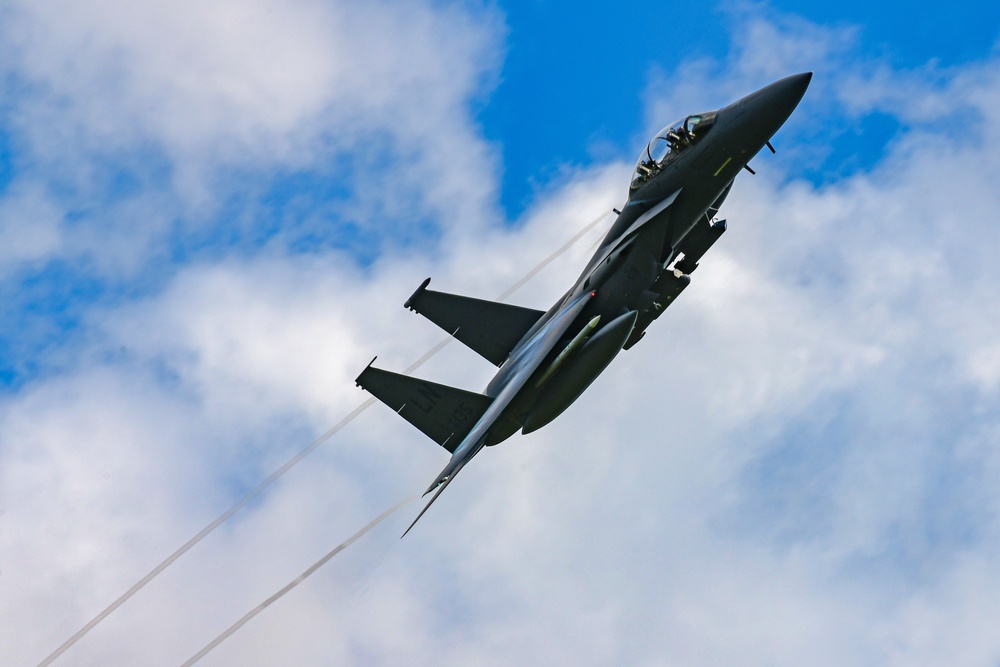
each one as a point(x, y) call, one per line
point(489, 328)
point(444, 414)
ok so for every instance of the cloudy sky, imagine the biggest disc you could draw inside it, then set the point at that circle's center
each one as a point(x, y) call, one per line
point(211, 213)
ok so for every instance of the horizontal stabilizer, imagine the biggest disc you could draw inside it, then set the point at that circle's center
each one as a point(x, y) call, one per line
point(445, 414)
point(491, 329)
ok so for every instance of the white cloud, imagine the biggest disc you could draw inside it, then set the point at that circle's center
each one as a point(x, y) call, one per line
point(22, 243)
point(249, 77)
point(203, 104)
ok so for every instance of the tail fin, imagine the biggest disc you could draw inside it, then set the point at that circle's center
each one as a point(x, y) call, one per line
point(445, 414)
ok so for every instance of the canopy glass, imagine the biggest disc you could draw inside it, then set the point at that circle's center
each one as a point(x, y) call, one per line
point(668, 143)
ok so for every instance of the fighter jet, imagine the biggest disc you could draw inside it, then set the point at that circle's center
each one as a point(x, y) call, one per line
point(547, 359)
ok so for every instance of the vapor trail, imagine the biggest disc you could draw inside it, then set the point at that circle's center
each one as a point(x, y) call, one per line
point(551, 258)
point(295, 582)
point(273, 477)
point(256, 491)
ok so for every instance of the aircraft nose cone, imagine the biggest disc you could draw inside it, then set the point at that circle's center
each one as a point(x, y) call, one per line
point(792, 88)
point(776, 101)
point(764, 111)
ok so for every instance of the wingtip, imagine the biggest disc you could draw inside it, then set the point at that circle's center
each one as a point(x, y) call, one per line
point(409, 302)
point(357, 380)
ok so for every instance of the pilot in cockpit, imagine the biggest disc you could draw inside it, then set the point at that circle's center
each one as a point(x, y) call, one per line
point(679, 137)
point(668, 144)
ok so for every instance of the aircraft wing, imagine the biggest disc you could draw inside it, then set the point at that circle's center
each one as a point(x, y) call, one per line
point(444, 414)
point(489, 328)
point(648, 216)
point(629, 234)
point(617, 247)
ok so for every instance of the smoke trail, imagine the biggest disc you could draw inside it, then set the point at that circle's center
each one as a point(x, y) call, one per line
point(273, 477)
point(295, 582)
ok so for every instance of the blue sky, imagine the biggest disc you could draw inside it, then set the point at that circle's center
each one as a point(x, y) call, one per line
point(211, 213)
point(592, 65)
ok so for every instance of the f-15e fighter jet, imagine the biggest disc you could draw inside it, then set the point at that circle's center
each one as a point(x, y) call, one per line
point(547, 359)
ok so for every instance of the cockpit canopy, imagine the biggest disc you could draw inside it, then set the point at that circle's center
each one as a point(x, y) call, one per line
point(668, 143)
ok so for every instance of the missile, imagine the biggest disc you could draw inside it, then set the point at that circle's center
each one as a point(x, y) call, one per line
point(577, 341)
